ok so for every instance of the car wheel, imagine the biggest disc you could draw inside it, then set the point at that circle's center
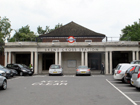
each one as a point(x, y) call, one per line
point(21, 74)
point(76, 74)
point(130, 83)
point(4, 85)
point(30, 74)
point(49, 74)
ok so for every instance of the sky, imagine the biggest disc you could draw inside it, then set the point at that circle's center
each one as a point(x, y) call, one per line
point(108, 17)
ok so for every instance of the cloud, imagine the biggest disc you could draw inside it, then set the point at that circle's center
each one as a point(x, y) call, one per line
point(104, 16)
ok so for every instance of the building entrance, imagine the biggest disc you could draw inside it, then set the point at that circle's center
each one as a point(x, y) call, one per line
point(48, 59)
point(94, 61)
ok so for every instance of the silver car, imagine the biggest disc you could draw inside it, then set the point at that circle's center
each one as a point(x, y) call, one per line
point(135, 80)
point(3, 83)
point(55, 69)
point(83, 70)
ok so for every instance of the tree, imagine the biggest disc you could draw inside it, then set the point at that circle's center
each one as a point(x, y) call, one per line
point(5, 29)
point(41, 31)
point(131, 32)
point(47, 30)
point(23, 34)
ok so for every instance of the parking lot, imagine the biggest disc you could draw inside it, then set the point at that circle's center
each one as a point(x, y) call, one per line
point(68, 90)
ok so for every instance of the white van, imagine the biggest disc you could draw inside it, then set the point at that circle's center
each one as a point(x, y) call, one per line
point(120, 71)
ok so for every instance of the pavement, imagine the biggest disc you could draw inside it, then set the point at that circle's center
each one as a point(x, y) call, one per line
point(68, 90)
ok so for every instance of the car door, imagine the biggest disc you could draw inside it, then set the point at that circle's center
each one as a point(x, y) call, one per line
point(135, 74)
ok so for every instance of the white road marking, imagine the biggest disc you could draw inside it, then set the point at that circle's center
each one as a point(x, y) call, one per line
point(51, 82)
point(121, 92)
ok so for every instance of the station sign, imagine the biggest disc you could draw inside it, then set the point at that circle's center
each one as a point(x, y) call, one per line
point(71, 39)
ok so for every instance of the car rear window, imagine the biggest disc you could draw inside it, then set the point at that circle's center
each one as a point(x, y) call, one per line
point(55, 67)
point(82, 67)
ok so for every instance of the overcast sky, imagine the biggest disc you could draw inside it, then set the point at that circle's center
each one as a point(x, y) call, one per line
point(108, 17)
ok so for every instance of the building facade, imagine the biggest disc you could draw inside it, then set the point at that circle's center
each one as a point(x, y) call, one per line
point(87, 49)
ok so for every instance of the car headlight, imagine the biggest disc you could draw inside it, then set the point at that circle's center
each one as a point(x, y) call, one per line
point(24, 70)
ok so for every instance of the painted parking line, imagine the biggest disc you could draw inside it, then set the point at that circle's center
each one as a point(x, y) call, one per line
point(134, 103)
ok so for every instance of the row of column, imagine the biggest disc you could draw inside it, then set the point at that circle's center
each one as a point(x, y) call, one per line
point(58, 59)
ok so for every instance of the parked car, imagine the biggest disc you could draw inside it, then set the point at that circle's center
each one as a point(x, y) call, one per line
point(9, 73)
point(120, 71)
point(135, 80)
point(2, 73)
point(20, 69)
point(135, 62)
point(128, 74)
point(28, 67)
point(3, 83)
point(14, 72)
point(83, 70)
point(55, 69)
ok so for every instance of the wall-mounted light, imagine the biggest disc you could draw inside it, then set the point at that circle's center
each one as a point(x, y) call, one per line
point(89, 43)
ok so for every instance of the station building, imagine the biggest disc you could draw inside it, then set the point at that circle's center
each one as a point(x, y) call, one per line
point(70, 46)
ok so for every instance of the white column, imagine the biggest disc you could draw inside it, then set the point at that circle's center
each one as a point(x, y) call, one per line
point(106, 62)
point(59, 58)
point(36, 63)
point(82, 58)
point(9, 58)
point(5, 58)
point(13, 58)
point(56, 58)
point(133, 55)
point(86, 58)
point(110, 62)
point(137, 55)
point(40, 63)
point(32, 59)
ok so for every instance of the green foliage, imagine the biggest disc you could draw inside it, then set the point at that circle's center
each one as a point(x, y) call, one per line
point(47, 30)
point(5, 29)
point(23, 34)
point(41, 31)
point(131, 32)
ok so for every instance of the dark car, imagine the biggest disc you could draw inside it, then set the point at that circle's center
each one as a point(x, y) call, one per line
point(22, 70)
point(128, 74)
point(9, 73)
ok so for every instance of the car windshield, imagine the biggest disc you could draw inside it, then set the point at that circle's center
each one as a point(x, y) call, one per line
point(82, 67)
point(1, 66)
point(24, 66)
point(20, 65)
point(55, 67)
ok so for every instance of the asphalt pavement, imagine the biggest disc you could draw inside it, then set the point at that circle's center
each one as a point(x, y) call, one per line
point(68, 90)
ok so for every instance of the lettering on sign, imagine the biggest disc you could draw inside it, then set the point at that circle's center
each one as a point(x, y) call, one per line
point(51, 83)
point(70, 49)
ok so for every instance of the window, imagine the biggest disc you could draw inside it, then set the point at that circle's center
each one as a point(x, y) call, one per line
point(88, 40)
point(55, 40)
point(137, 69)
